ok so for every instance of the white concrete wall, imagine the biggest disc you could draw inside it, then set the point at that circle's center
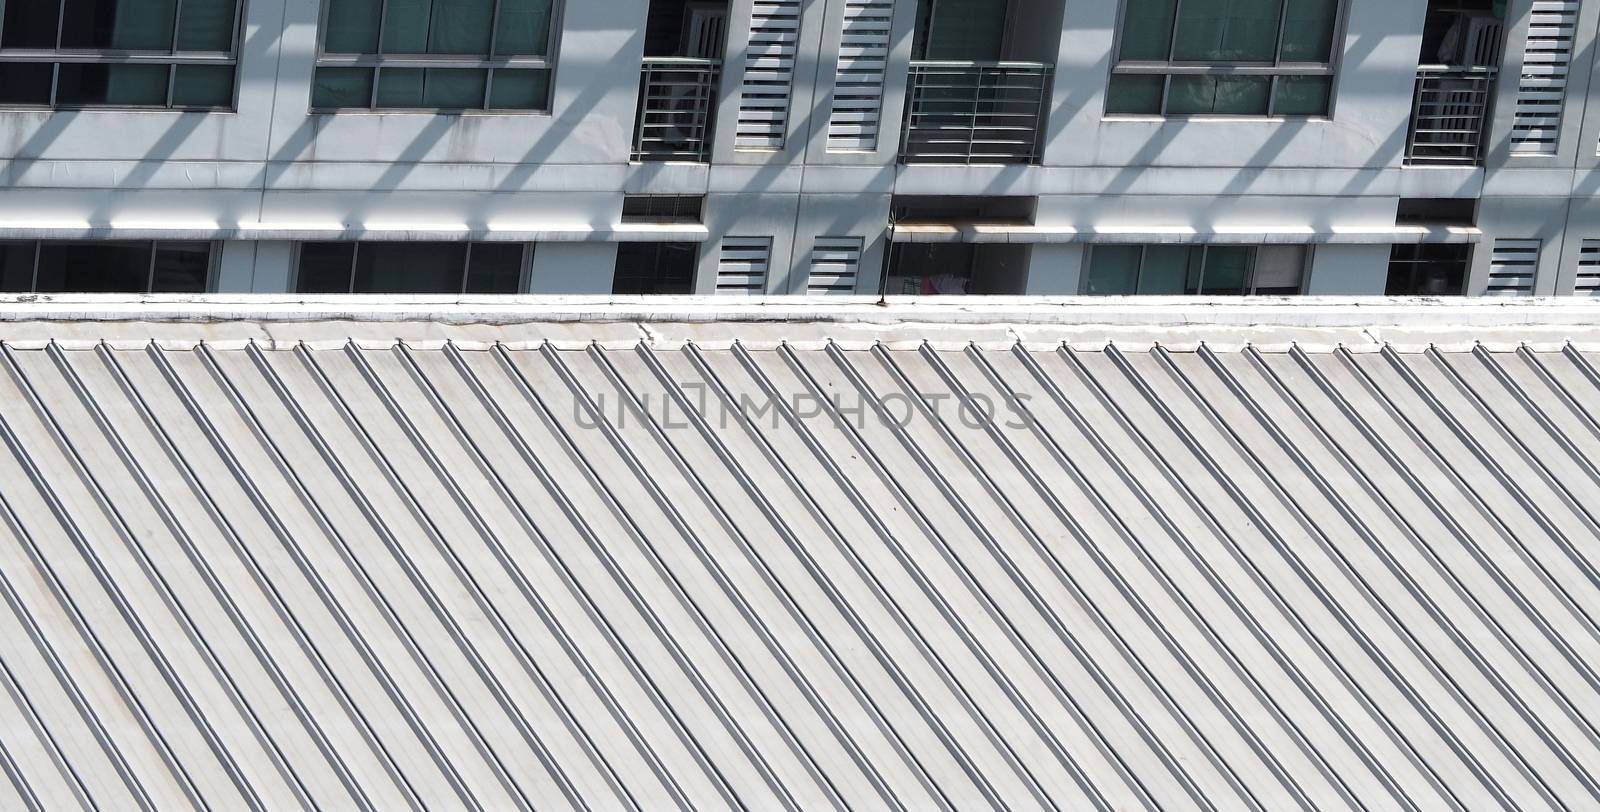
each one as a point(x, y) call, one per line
point(487, 176)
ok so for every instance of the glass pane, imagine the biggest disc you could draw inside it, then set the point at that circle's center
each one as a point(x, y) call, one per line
point(461, 27)
point(410, 267)
point(1166, 268)
point(31, 24)
point(1227, 270)
point(520, 90)
point(123, 24)
point(1147, 30)
point(1134, 93)
point(524, 28)
point(181, 267)
point(1230, 95)
point(16, 267)
point(352, 27)
point(1302, 95)
point(203, 86)
point(94, 267)
point(400, 87)
point(342, 87)
point(125, 84)
point(967, 30)
point(25, 82)
point(1279, 269)
point(1308, 30)
point(1227, 31)
point(206, 25)
point(1113, 270)
point(495, 268)
point(455, 88)
point(325, 267)
point(405, 26)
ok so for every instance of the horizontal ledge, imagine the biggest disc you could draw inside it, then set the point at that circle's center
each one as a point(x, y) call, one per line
point(377, 232)
point(1218, 235)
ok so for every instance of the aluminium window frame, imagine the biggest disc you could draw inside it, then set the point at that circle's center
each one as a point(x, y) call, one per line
point(1307, 256)
point(171, 58)
point(524, 278)
point(213, 263)
point(1274, 70)
point(548, 62)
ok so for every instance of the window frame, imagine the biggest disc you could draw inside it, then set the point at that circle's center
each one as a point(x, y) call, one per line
point(213, 265)
point(171, 58)
point(378, 61)
point(524, 277)
point(1276, 69)
point(1307, 256)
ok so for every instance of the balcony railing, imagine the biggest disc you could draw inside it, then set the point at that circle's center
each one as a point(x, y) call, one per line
point(677, 98)
point(1448, 115)
point(975, 112)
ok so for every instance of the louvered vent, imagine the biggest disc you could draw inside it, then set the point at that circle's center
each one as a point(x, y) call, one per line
point(858, 86)
point(1512, 268)
point(768, 75)
point(835, 266)
point(1546, 58)
point(1588, 281)
point(742, 266)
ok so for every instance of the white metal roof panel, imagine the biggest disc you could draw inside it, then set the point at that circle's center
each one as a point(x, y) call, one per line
point(704, 573)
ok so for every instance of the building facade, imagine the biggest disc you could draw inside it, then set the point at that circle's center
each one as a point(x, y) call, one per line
point(800, 146)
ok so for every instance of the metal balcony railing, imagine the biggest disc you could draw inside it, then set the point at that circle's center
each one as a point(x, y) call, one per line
point(677, 99)
point(1449, 113)
point(975, 112)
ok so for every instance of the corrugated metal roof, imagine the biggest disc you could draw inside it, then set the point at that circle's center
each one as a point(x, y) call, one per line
point(435, 575)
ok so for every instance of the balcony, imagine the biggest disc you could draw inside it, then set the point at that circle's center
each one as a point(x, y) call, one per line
point(677, 101)
point(975, 112)
point(1448, 115)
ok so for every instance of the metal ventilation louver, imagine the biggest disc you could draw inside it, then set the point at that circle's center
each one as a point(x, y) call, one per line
point(835, 266)
point(742, 266)
point(1513, 267)
point(1587, 282)
point(853, 122)
point(1546, 59)
point(768, 75)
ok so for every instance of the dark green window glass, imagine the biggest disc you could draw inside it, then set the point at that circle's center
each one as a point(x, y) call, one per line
point(1113, 270)
point(460, 27)
point(1302, 95)
point(25, 82)
point(98, 267)
point(410, 267)
point(495, 268)
point(1226, 31)
point(181, 267)
point(524, 28)
point(16, 267)
point(206, 25)
point(454, 88)
point(122, 85)
point(1165, 271)
point(520, 90)
point(1227, 271)
point(965, 30)
point(400, 87)
point(1308, 30)
point(352, 26)
point(133, 25)
point(325, 267)
point(1222, 95)
point(203, 86)
point(1135, 93)
point(405, 26)
point(1147, 30)
point(342, 87)
point(31, 24)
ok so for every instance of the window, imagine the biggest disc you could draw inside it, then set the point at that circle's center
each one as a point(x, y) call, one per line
point(163, 54)
point(676, 209)
point(1428, 269)
point(105, 267)
point(434, 55)
point(1224, 57)
point(1206, 270)
point(655, 268)
point(411, 267)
